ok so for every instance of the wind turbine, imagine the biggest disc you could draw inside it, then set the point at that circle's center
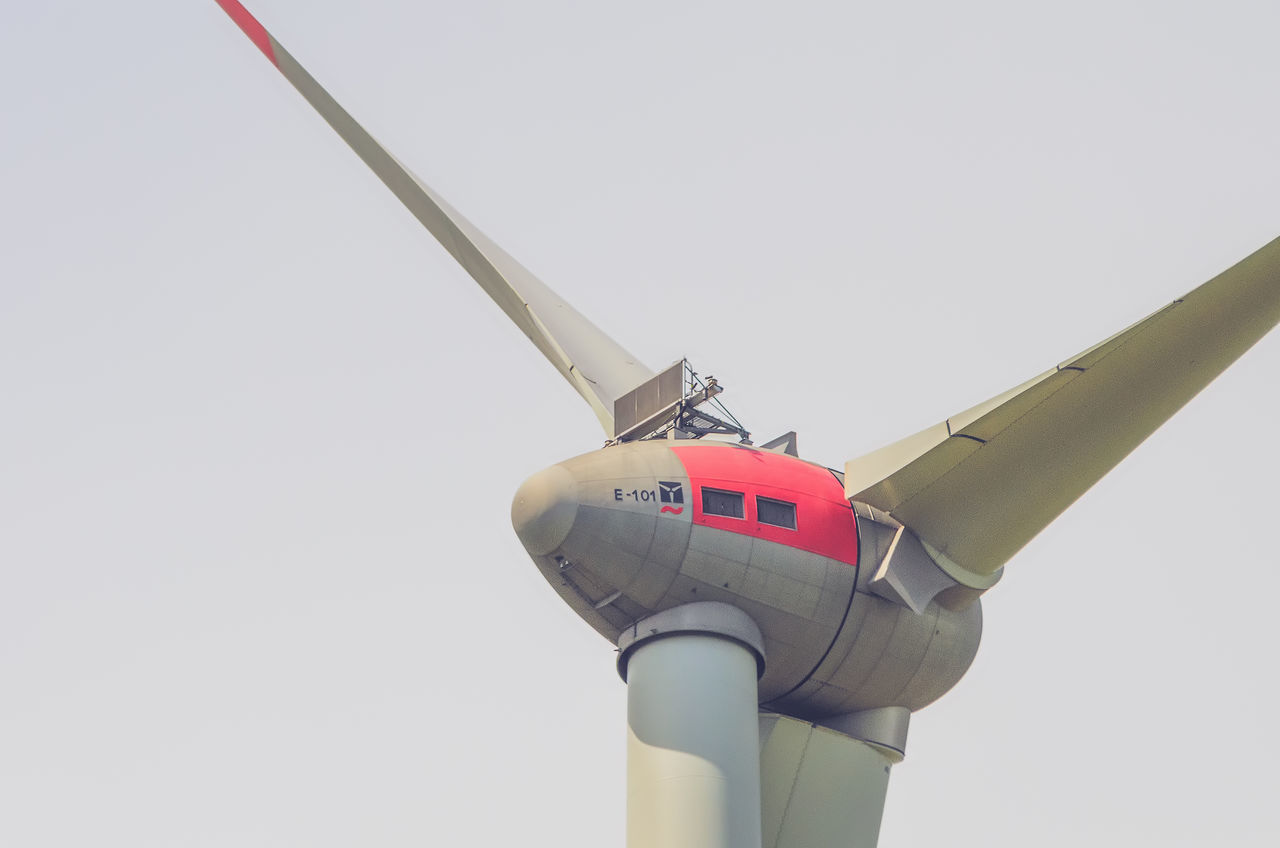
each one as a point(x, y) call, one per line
point(735, 578)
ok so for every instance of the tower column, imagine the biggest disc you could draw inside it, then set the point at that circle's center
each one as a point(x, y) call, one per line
point(693, 737)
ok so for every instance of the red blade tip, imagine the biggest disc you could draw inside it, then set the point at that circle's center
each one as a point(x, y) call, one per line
point(247, 22)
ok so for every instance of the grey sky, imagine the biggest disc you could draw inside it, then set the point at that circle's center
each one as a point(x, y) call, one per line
point(258, 585)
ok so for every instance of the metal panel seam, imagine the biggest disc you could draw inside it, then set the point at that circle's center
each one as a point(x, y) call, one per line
point(844, 619)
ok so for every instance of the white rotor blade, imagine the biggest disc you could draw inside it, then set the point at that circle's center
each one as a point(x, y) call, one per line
point(980, 485)
point(820, 787)
point(594, 364)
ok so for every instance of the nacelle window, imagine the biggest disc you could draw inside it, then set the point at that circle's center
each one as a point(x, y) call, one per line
point(777, 513)
point(720, 502)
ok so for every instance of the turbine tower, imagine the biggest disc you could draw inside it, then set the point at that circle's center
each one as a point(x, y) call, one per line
point(778, 621)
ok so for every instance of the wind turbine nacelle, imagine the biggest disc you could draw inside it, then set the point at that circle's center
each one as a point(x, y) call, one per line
point(638, 528)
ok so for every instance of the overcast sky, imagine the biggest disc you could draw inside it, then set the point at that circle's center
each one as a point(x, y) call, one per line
point(258, 585)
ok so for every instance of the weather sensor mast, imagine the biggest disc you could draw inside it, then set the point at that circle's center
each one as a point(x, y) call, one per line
point(666, 407)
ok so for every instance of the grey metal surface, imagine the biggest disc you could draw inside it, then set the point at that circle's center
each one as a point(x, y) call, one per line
point(909, 572)
point(661, 560)
point(885, 728)
point(710, 618)
point(819, 788)
point(885, 656)
point(977, 488)
point(593, 363)
point(786, 443)
point(544, 509)
point(831, 650)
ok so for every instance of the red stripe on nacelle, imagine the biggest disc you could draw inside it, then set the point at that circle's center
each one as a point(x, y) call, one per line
point(824, 520)
point(247, 22)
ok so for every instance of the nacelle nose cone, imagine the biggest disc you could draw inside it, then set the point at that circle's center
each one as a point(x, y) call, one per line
point(544, 509)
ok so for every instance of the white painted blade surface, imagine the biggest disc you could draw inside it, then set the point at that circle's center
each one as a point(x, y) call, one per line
point(819, 788)
point(593, 363)
point(982, 484)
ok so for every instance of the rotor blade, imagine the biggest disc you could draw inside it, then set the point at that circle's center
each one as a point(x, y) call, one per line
point(594, 364)
point(980, 485)
point(820, 786)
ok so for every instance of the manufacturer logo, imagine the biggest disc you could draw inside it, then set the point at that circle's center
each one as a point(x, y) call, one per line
point(671, 493)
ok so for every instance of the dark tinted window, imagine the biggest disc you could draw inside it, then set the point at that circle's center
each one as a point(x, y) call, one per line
point(720, 502)
point(777, 513)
